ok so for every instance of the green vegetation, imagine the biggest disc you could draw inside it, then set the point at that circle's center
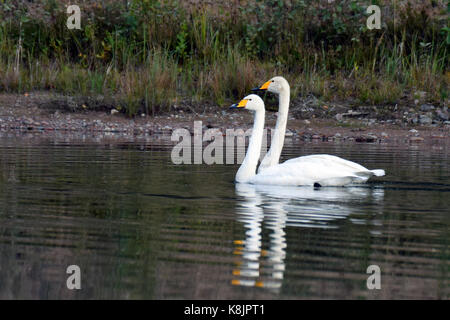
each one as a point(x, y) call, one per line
point(151, 54)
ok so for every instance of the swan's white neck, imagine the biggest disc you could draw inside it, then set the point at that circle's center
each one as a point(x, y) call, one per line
point(248, 167)
point(276, 146)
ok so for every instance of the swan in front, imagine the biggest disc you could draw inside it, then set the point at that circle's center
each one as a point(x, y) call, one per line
point(314, 170)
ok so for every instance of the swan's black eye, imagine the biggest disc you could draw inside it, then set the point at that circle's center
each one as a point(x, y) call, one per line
point(273, 80)
point(249, 99)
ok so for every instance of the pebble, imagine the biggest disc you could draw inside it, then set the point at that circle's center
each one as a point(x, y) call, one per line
point(426, 107)
point(366, 138)
point(424, 119)
point(416, 139)
point(442, 115)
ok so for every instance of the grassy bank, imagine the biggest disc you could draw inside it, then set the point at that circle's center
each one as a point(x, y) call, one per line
point(148, 55)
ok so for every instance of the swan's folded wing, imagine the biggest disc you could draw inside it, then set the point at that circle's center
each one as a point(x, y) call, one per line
point(296, 173)
point(329, 160)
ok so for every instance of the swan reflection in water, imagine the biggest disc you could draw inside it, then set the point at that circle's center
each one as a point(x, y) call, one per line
point(276, 207)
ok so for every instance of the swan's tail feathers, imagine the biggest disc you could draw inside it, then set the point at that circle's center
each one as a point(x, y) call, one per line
point(378, 172)
point(370, 173)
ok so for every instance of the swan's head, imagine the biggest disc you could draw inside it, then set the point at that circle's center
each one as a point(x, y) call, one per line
point(275, 85)
point(251, 102)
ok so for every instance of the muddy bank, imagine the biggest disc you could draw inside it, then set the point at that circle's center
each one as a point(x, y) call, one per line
point(309, 119)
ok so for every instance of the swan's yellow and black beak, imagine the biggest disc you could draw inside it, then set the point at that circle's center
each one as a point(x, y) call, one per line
point(264, 87)
point(241, 104)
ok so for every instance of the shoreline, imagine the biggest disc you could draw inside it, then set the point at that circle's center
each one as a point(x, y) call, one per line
point(30, 113)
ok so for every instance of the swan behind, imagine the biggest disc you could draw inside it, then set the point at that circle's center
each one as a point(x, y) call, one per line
point(280, 86)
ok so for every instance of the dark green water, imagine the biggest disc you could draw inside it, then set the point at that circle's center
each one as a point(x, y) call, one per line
point(140, 227)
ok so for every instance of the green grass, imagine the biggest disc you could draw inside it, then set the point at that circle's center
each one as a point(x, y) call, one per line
point(153, 54)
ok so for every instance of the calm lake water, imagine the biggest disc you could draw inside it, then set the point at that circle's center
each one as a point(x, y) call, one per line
point(140, 227)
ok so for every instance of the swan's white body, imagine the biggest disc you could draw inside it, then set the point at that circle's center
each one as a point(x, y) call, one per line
point(324, 170)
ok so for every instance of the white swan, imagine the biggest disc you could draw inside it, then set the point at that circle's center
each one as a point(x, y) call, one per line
point(314, 170)
point(280, 86)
